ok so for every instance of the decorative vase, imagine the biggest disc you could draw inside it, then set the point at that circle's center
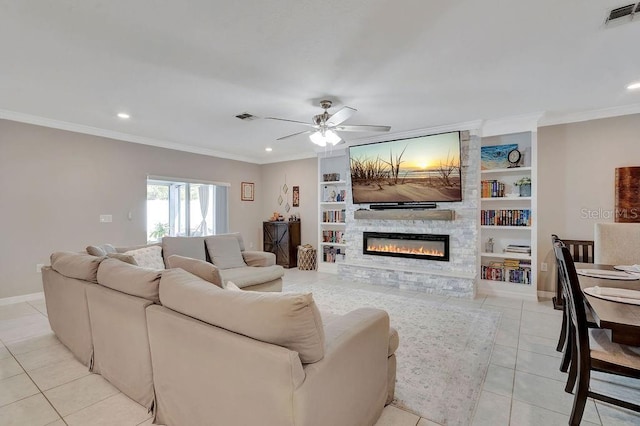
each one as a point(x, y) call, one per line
point(525, 190)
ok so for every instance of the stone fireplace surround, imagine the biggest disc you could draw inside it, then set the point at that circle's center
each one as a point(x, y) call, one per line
point(453, 278)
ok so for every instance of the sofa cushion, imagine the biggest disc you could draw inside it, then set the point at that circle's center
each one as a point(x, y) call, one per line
point(237, 235)
point(289, 320)
point(329, 318)
point(192, 247)
point(147, 257)
point(249, 275)
point(259, 258)
point(100, 251)
point(127, 258)
point(231, 286)
point(76, 265)
point(224, 251)
point(199, 268)
point(130, 279)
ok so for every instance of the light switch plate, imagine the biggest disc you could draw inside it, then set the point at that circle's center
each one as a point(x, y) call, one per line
point(106, 218)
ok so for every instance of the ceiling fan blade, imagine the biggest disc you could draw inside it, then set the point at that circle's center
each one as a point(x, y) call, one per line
point(290, 121)
point(294, 134)
point(364, 128)
point(341, 116)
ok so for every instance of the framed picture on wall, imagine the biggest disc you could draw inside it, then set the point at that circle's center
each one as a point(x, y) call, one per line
point(247, 191)
point(296, 196)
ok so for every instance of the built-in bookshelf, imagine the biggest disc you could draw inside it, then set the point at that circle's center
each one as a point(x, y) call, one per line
point(508, 220)
point(333, 193)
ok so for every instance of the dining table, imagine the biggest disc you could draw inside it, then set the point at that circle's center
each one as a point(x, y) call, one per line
point(622, 319)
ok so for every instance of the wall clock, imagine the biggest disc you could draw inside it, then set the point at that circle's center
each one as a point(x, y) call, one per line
point(514, 157)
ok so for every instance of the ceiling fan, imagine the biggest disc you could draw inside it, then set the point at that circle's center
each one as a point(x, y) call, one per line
point(326, 125)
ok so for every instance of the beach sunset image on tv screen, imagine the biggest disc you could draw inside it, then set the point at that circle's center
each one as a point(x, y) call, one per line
point(419, 169)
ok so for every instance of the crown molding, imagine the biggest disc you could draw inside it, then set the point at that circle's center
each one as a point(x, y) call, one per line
point(514, 124)
point(552, 119)
point(292, 157)
point(95, 131)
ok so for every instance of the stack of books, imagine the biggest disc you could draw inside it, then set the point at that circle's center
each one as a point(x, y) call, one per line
point(521, 249)
point(511, 270)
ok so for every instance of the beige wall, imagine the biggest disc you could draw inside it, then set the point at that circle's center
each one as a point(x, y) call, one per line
point(55, 184)
point(576, 172)
point(302, 173)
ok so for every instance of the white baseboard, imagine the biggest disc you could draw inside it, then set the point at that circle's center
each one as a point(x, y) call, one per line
point(23, 298)
point(546, 294)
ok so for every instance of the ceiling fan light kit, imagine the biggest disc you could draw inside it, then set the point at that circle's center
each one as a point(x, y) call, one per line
point(326, 125)
point(322, 138)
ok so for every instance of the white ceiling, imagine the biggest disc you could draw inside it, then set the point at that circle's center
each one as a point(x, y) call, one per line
point(183, 70)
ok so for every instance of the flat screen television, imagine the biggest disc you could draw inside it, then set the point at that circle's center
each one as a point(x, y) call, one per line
point(423, 169)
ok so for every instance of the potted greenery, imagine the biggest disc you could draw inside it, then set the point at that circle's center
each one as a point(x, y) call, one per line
point(159, 231)
point(525, 186)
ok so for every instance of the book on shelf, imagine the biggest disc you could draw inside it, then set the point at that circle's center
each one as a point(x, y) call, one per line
point(329, 236)
point(513, 271)
point(331, 254)
point(522, 249)
point(506, 217)
point(333, 216)
point(492, 189)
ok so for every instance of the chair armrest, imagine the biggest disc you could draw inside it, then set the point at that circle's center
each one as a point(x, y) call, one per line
point(352, 376)
point(259, 258)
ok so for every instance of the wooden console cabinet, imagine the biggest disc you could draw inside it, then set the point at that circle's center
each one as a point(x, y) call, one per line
point(282, 239)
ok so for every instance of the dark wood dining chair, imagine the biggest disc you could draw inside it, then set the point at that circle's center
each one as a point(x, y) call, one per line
point(581, 251)
point(604, 355)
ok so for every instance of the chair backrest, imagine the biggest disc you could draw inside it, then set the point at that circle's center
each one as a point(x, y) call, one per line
point(581, 250)
point(617, 243)
point(574, 299)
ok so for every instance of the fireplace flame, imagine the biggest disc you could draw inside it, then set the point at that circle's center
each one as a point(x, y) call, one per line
point(393, 248)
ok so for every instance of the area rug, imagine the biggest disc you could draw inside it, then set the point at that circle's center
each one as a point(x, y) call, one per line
point(444, 349)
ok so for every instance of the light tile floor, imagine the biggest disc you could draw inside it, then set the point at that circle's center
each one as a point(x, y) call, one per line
point(42, 384)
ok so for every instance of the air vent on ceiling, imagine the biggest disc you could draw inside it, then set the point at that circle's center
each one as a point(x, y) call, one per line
point(623, 12)
point(246, 116)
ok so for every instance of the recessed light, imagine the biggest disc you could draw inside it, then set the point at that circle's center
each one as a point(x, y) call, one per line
point(634, 86)
point(123, 115)
point(268, 149)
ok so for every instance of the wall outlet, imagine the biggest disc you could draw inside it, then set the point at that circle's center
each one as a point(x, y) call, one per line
point(544, 267)
point(251, 245)
point(106, 218)
point(39, 267)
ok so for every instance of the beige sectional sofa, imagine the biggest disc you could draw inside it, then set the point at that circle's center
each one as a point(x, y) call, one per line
point(197, 354)
point(249, 270)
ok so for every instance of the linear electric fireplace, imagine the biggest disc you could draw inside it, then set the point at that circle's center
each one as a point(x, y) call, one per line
point(415, 246)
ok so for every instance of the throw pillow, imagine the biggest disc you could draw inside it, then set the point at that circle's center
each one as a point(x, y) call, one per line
point(96, 251)
point(224, 251)
point(197, 267)
point(127, 258)
point(231, 286)
point(284, 319)
point(148, 257)
point(101, 251)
